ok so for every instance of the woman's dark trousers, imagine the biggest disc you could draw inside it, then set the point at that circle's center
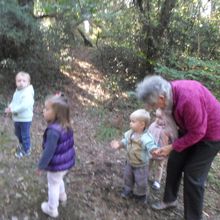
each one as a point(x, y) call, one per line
point(194, 163)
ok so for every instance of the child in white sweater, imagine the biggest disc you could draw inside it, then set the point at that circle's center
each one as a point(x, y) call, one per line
point(21, 108)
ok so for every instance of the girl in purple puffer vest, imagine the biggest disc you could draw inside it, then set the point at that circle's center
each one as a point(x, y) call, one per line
point(58, 151)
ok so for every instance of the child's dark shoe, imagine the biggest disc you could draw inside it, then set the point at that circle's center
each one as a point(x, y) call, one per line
point(141, 199)
point(127, 194)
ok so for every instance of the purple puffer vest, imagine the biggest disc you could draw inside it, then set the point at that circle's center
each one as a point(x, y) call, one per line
point(64, 156)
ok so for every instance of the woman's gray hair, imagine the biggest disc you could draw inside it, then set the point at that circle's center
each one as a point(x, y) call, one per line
point(152, 87)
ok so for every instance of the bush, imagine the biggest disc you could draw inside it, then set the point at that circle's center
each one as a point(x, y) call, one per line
point(122, 66)
point(22, 46)
point(18, 31)
point(207, 72)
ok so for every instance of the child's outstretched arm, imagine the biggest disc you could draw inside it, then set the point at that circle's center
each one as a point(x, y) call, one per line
point(116, 144)
point(7, 110)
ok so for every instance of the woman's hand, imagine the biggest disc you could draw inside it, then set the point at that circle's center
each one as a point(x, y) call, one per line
point(163, 151)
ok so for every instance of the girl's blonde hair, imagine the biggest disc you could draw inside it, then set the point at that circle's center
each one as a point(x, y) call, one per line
point(141, 115)
point(61, 109)
point(22, 73)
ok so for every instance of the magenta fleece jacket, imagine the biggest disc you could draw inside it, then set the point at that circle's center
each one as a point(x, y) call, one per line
point(196, 112)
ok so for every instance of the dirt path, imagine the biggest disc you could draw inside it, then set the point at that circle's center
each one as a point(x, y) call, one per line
point(94, 185)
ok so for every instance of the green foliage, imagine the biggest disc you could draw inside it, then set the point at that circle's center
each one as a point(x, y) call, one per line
point(123, 67)
point(117, 24)
point(120, 28)
point(188, 32)
point(18, 32)
point(64, 19)
point(193, 36)
point(97, 112)
point(106, 133)
point(207, 72)
point(22, 46)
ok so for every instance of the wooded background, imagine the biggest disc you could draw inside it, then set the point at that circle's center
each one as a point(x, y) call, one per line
point(132, 38)
point(95, 51)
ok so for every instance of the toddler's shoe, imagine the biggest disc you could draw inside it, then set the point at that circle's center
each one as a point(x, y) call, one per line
point(47, 210)
point(19, 154)
point(162, 205)
point(127, 194)
point(156, 185)
point(141, 199)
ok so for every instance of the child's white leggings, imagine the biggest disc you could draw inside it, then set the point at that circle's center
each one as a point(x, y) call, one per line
point(56, 188)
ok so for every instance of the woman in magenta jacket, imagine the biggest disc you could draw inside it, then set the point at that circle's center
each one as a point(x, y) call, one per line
point(197, 114)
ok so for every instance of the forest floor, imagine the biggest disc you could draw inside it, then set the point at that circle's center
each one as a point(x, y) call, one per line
point(94, 184)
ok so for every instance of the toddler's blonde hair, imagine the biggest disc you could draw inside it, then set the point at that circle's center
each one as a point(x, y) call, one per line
point(25, 74)
point(141, 115)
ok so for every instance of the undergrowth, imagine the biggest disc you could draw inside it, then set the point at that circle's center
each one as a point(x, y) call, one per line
point(106, 133)
point(205, 71)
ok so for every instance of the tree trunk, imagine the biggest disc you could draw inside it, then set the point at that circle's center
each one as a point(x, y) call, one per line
point(152, 36)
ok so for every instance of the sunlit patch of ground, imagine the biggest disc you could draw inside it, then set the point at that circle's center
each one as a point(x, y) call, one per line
point(87, 80)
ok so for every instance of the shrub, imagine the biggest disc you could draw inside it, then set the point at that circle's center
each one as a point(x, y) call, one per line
point(22, 46)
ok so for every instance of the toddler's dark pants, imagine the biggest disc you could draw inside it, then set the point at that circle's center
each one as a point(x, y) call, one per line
point(138, 176)
point(22, 131)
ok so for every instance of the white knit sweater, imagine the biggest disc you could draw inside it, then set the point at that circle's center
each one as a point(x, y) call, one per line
point(22, 104)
